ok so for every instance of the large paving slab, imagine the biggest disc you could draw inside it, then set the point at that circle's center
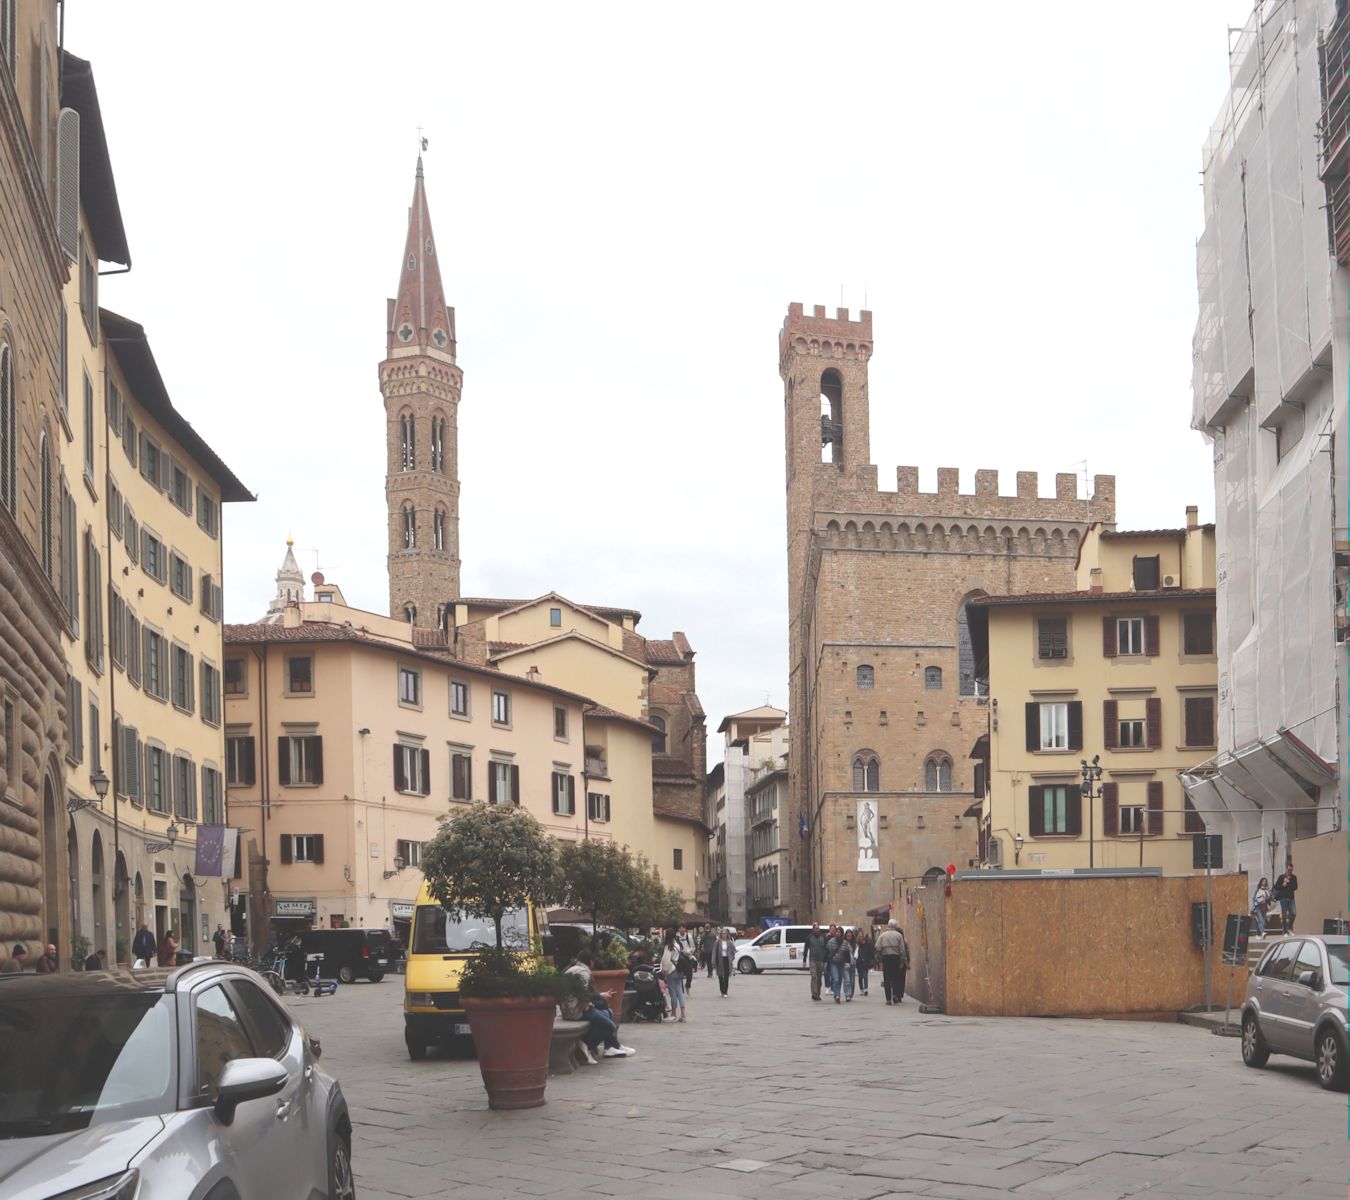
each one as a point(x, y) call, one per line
point(767, 1094)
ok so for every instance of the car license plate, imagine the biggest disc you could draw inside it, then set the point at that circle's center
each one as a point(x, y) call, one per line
point(461, 1027)
point(381, 962)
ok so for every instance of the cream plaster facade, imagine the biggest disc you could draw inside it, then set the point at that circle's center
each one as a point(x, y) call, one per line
point(1123, 668)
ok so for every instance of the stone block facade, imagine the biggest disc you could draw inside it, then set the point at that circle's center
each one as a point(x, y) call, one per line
point(882, 686)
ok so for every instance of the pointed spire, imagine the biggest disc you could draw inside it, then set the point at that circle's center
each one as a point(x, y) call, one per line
point(419, 318)
point(290, 582)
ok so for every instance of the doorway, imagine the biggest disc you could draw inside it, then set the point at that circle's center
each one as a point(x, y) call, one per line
point(51, 864)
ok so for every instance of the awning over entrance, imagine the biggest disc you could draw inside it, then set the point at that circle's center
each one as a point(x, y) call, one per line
point(881, 912)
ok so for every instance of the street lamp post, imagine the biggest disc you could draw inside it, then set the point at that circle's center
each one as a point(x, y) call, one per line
point(1091, 789)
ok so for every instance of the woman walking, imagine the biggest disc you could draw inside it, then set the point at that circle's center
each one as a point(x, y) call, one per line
point(671, 973)
point(724, 958)
point(867, 957)
point(842, 962)
point(1261, 905)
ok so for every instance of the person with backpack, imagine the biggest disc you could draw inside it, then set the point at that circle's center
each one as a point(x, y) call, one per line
point(894, 954)
point(672, 974)
point(843, 960)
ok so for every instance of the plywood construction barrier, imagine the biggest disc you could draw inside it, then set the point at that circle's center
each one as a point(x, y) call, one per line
point(1065, 946)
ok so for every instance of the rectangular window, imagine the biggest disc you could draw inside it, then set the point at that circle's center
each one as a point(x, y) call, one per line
point(184, 788)
point(180, 577)
point(236, 677)
point(88, 429)
point(210, 694)
point(130, 438)
point(114, 402)
point(117, 629)
point(213, 797)
point(1197, 633)
point(409, 852)
point(302, 847)
point(154, 558)
point(300, 760)
point(1129, 635)
point(412, 766)
point(461, 775)
point(132, 537)
point(156, 779)
point(127, 764)
point(1055, 810)
point(501, 708)
point(503, 783)
point(134, 648)
point(70, 559)
point(459, 698)
point(208, 512)
point(560, 722)
point(156, 664)
point(1199, 729)
point(679, 859)
point(180, 488)
point(150, 453)
point(597, 806)
point(1052, 637)
point(89, 290)
point(239, 760)
point(93, 604)
point(1054, 726)
point(74, 719)
point(555, 618)
point(564, 794)
point(1132, 734)
point(95, 740)
point(1131, 818)
point(300, 675)
point(212, 602)
point(182, 678)
point(114, 506)
point(410, 687)
point(1147, 573)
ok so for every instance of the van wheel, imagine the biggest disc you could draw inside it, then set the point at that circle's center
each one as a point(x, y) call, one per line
point(747, 966)
point(375, 976)
point(417, 1051)
point(346, 975)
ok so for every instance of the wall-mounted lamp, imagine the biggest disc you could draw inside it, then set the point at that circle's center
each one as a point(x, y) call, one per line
point(171, 833)
point(398, 866)
point(364, 732)
point(1017, 848)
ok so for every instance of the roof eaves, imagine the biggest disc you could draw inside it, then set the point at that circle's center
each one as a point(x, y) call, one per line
point(98, 187)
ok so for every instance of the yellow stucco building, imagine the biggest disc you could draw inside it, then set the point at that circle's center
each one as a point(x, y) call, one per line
point(1122, 670)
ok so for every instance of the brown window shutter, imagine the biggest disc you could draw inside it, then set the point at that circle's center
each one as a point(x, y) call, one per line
point(1155, 807)
point(492, 783)
point(250, 768)
point(1075, 724)
point(1194, 822)
point(316, 757)
point(238, 858)
point(285, 849)
point(1073, 811)
point(1110, 808)
point(1036, 811)
point(1110, 724)
point(318, 848)
point(284, 760)
point(1109, 637)
point(558, 793)
point(400, 782)
point(1153, 721)
point(1152, 642)
point(426, 771)
point(571, 794)
point(468, 776)
point(515, 783)
point(1205, 709)
point(1033, 726)
point(456, 777)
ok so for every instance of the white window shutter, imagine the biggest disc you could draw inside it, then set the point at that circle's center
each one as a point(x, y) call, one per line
point(68, 182)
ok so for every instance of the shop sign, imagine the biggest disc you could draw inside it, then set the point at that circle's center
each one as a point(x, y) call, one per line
point(294, 908)
point(401, 910)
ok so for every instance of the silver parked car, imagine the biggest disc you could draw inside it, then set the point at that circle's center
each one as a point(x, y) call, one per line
point(1296, 1004)
point(188, 1084)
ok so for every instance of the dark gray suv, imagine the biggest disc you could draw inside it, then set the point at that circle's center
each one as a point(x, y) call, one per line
point(1296, 1004)
point(190, 1084)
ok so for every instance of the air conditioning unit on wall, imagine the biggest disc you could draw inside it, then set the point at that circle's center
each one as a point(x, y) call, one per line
point(1169, 581)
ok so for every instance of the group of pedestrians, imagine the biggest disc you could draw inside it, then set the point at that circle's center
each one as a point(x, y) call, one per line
point(842, 960)
point(1266, 897)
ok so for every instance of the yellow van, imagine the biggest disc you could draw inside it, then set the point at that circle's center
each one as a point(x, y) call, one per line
point(441, 941)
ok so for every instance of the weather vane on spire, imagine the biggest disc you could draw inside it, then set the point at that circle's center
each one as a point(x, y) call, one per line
point(421, 140)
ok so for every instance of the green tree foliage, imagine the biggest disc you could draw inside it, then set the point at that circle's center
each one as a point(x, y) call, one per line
point(597, 879)
point(649, 902)
point(491, 858)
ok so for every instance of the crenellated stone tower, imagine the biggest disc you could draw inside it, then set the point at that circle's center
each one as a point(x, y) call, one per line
point(885, 705)
point(421, 384)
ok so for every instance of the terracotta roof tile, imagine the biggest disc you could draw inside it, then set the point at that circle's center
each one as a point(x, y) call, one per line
point(1093, 597)
point(663, 652)
point(490, 602)
point(605, 713)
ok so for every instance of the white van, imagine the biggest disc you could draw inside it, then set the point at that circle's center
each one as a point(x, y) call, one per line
point(776, 949)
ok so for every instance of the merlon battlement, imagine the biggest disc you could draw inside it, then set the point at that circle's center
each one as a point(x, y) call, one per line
point(986, 485)
point(818, 325)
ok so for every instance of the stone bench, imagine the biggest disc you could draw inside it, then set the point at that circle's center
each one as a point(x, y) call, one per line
point(564, 1049)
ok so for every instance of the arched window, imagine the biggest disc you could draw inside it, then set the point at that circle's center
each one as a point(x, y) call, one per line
point(410, 613)
point(438, 444)
point(438, 529)
point(832, 418)
point(9, 432)
point(866, 676)
point(866, 771)
point(408, 446)
point(937, 773)
point(932, 679)
point(659, 737)
point(409, 527)
point(45, 501)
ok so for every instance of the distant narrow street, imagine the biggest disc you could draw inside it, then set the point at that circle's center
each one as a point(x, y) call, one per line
point(768, 1094)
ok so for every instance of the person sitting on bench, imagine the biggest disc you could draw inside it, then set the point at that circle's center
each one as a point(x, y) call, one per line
point(597, 1014)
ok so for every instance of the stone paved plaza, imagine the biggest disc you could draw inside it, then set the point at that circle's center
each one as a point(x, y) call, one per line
point(768, 1094)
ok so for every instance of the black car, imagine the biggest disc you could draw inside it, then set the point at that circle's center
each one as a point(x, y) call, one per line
point(349, 954)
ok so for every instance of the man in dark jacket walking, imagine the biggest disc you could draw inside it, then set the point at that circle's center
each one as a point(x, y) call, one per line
point(813, 958)
point(143, 945)
point(1283, 891)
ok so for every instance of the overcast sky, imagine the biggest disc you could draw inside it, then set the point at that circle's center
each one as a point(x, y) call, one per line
point(625, 199)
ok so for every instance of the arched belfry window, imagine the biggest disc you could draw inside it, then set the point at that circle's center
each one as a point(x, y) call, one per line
point(832, 418)
point(866, 676)
point(937, 773)
point(9, 432)
point(438, 444)
point(407, 443)
point(410, 613)
point(438, 529)
point(409, 527)
point(866, 771)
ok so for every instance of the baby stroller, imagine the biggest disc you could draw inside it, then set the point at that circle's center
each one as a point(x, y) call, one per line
point(649, 1005)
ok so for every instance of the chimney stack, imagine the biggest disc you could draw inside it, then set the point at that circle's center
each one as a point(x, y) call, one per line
point(1192, 517)
point(1095, 581)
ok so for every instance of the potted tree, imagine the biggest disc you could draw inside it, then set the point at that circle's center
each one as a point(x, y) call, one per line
point(598, 878)
point(489, 860)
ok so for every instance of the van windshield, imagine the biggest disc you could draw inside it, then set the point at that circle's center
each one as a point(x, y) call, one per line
point(439, 930)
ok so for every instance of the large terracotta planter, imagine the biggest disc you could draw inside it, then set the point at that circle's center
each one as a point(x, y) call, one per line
point(610, 984)
point(511, 1035)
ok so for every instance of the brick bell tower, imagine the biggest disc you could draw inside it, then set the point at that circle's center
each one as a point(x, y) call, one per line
point(421, 384)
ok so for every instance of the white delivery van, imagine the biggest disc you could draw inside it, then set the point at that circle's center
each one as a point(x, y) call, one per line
point(776, 949)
